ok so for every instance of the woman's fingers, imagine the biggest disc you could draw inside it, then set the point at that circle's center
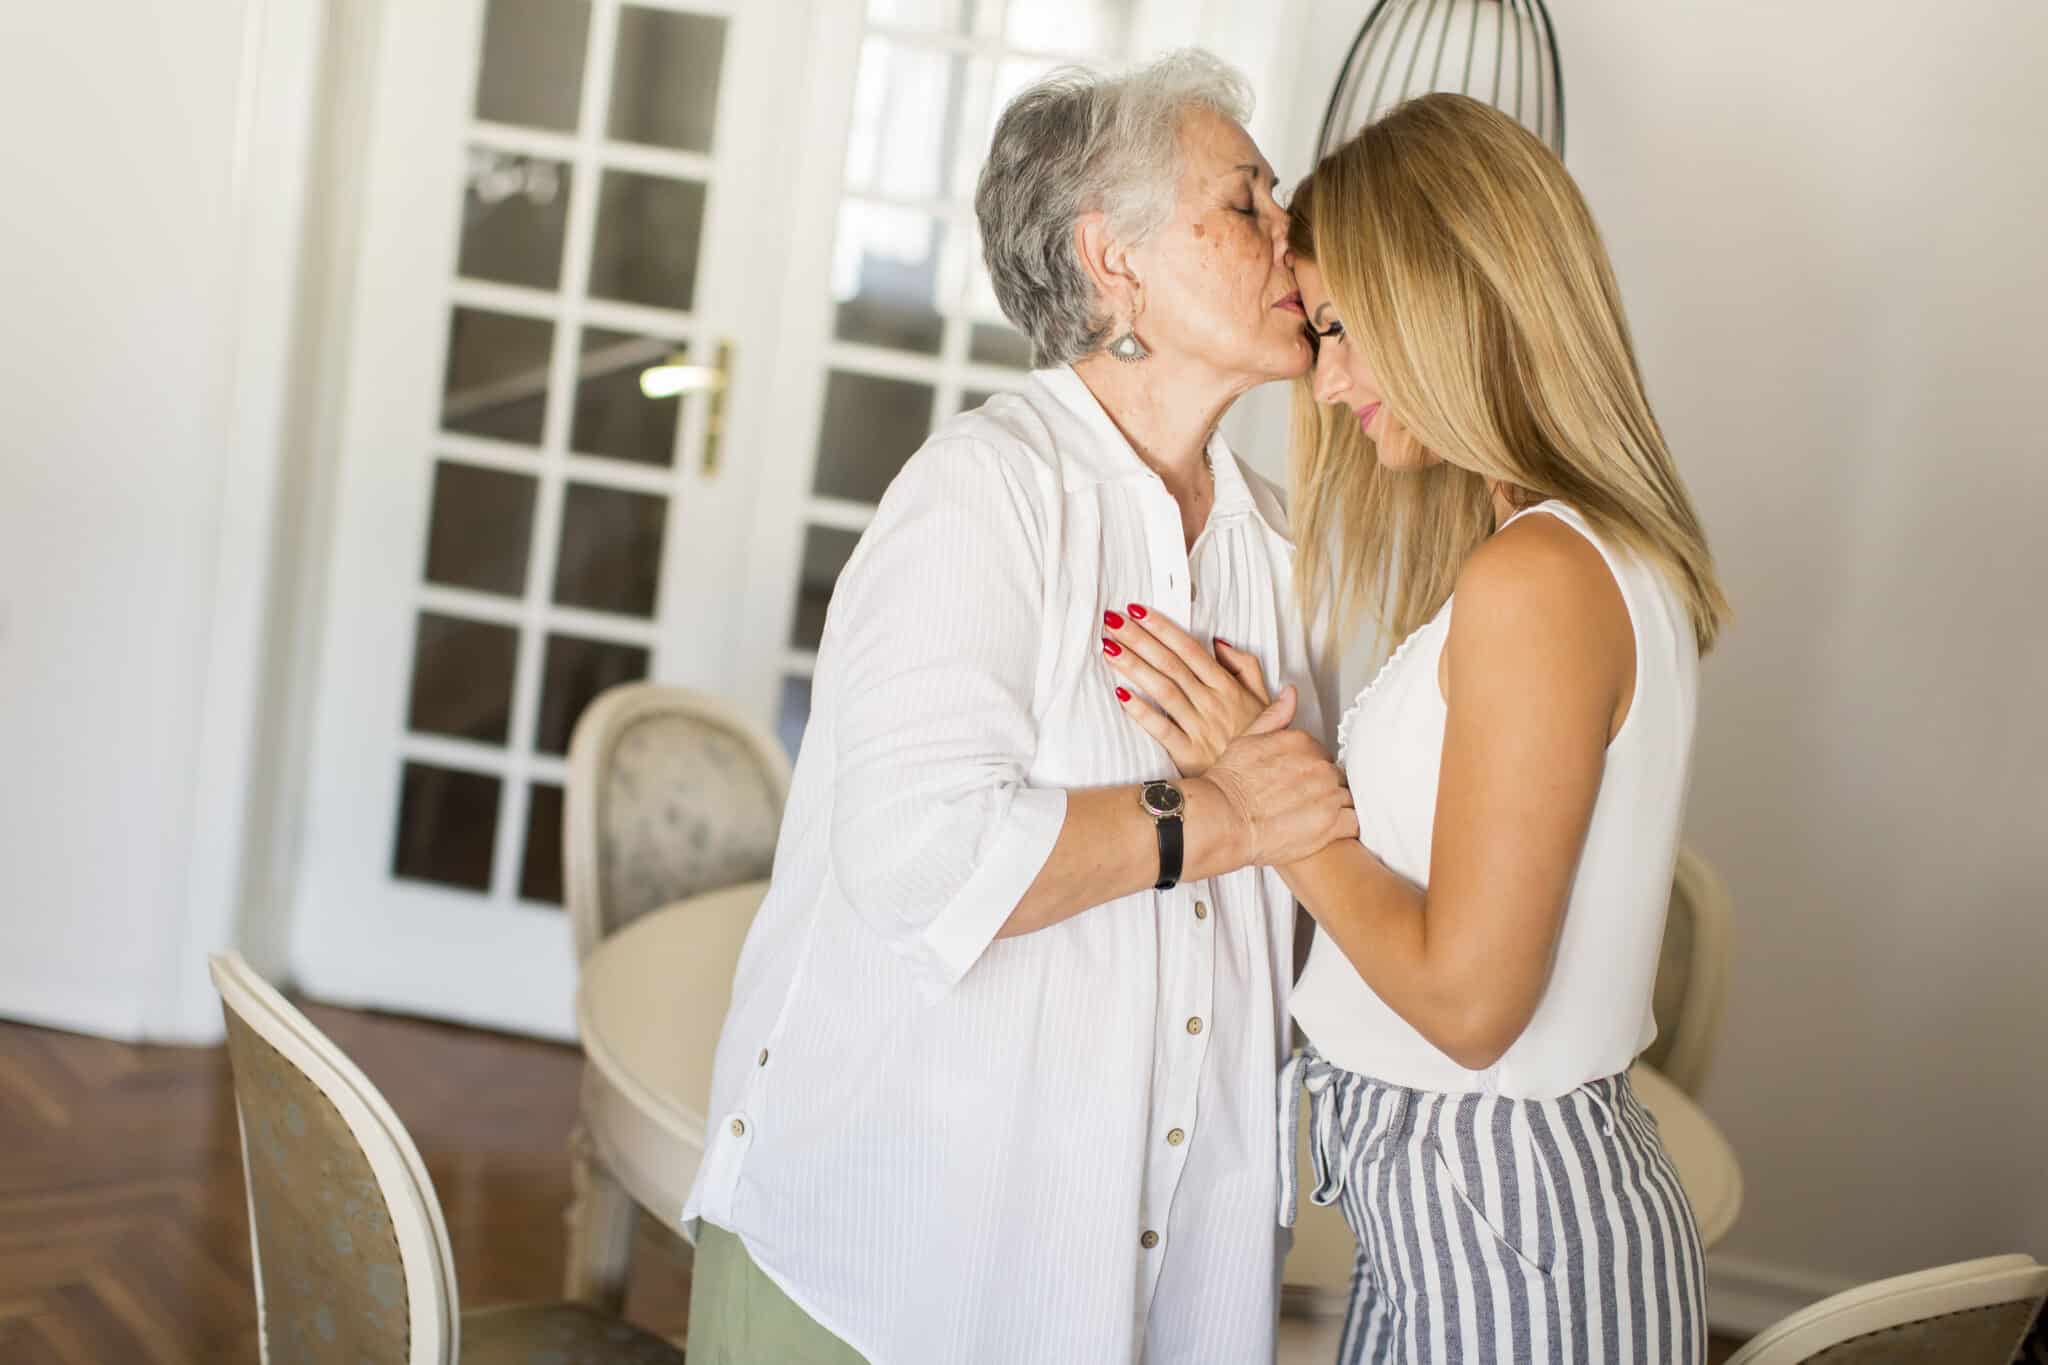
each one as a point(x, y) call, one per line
point(1278, 715)
point(1137, 638)
point(1186, 650)
point(1166, 693)
point(1154, 722)
point(1244, 666)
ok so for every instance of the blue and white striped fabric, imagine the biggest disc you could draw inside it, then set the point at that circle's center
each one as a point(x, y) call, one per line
point(1495, 1229)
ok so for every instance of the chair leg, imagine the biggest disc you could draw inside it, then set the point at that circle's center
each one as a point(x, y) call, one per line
point(600, 1219)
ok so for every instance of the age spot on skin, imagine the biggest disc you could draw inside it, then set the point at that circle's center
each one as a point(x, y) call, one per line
point(1201, 231)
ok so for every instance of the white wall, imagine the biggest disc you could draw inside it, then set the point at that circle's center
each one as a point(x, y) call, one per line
point(146, 266)
point(1830, 221)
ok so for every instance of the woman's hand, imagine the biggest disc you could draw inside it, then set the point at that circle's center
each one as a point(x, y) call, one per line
point(1285, 798)
point(1199, 702)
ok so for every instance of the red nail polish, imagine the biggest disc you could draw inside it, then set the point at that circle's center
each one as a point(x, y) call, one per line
point(1112, 648)
point(1225, 643)
point(1112, 620)
point(1137, 612)
point(1122, 695)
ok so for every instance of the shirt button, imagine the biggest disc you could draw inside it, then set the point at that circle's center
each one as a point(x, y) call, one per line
point(764, 1058)
point(1149, 1240)
point(1195, 1024)
point(1176, 1138)
point(1201, 910)
point(739, 1127)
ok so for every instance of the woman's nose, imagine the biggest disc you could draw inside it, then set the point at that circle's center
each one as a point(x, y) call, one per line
point(1328, 380)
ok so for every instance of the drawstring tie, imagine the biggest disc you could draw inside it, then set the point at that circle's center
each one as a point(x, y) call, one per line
point(1331, 1150)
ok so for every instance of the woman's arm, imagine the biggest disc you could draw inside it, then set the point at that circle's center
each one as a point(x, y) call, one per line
point(938, 839)
point(1541, 663)
point(1271, 796)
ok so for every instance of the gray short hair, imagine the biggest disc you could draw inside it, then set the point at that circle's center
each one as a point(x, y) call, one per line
point(1075, 143)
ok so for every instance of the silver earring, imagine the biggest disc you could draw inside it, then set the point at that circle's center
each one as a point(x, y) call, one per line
point(1128, 348)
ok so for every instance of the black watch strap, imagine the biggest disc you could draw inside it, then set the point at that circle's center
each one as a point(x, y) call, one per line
point(1170, 851)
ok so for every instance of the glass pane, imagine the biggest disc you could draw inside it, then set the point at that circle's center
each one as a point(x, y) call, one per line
point(515, 213)
point(885, 278)
point(610, 552)
point(907, 116)
point(648, 232)
point(497, 380)
point(447, 823)
point(974, 398)
point(998, 344)
point(1096, 27)
point(532, 68)
point(940, 14)
point(871, 426)
point(540, 871)
point(825, 552)
point(795, 711)
point(462, 678)
point(575, 671)
point(613, 416)
point(665, 78)
point(481, 526)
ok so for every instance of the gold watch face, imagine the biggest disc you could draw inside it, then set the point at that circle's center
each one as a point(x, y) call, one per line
point(1162, 799)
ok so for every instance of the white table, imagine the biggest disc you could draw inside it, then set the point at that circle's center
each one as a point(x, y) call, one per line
point(652, 997)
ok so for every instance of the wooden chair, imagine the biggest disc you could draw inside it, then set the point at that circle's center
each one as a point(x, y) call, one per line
point(351, 1252)
point(670, 794)
point(1970, 1313)
point(1692, 974)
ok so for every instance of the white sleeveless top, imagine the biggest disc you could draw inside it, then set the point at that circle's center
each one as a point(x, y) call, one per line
point(1594, 1017)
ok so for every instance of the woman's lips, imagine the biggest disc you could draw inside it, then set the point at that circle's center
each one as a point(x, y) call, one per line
point(1292, 303)
point(1365, 416)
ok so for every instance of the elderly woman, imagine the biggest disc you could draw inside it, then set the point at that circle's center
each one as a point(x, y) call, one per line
point(997, 1080)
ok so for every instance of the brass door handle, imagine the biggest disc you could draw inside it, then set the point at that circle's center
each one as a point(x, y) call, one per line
point(714, 416)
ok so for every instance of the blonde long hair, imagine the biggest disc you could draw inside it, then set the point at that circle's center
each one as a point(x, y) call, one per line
point(1464, 261)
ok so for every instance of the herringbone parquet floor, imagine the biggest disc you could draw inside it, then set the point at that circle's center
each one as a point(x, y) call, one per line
point(123, 1233)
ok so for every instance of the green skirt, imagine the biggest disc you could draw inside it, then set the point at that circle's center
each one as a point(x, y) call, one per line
point(739, 1317)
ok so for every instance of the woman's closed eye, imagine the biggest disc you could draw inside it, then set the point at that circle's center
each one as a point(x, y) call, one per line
point(1334, 331)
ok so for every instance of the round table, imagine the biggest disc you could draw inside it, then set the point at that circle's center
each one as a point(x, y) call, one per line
point(651, 999)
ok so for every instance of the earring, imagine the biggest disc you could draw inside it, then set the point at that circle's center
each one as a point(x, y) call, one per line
point(1128, 348)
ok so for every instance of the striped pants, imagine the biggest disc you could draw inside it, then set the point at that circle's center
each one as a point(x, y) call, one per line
point(1493, 1229)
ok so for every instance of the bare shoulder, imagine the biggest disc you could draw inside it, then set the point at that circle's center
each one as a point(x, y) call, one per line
point(1537, 608)
point(1540, 567)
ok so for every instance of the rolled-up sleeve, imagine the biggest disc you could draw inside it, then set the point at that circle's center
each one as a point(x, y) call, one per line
point(929, 663)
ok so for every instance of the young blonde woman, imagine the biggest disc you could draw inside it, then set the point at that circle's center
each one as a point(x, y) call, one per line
point(1477, 466)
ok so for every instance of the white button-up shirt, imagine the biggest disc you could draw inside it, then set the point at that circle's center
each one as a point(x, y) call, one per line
point(1058, 1147)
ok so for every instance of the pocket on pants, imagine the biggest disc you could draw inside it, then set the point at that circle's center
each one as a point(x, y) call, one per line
point(1451, 1187)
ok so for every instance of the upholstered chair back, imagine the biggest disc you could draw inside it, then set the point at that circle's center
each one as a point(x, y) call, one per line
point(1970, 1313)
point(670, 794)
point(351, 1257)
point(1692, 974)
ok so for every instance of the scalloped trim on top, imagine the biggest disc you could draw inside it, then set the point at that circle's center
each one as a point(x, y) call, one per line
point(1400, 652)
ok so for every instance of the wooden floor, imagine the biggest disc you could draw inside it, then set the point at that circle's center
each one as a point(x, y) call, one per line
point(123, 1233)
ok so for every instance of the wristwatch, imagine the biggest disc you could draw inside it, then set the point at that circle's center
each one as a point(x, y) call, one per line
point(1164, 803)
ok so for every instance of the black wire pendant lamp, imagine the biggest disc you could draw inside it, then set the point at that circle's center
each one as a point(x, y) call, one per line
point(1501, 51)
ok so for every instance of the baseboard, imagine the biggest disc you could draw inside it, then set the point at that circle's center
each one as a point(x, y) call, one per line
point(1745, 1296)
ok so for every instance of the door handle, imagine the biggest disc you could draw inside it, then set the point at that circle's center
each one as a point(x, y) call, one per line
point(714, 415)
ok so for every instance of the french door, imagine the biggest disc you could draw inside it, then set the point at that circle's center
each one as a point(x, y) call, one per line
point(653, 299)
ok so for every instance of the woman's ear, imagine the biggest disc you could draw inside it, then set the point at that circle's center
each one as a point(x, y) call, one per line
point(1108, 266)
